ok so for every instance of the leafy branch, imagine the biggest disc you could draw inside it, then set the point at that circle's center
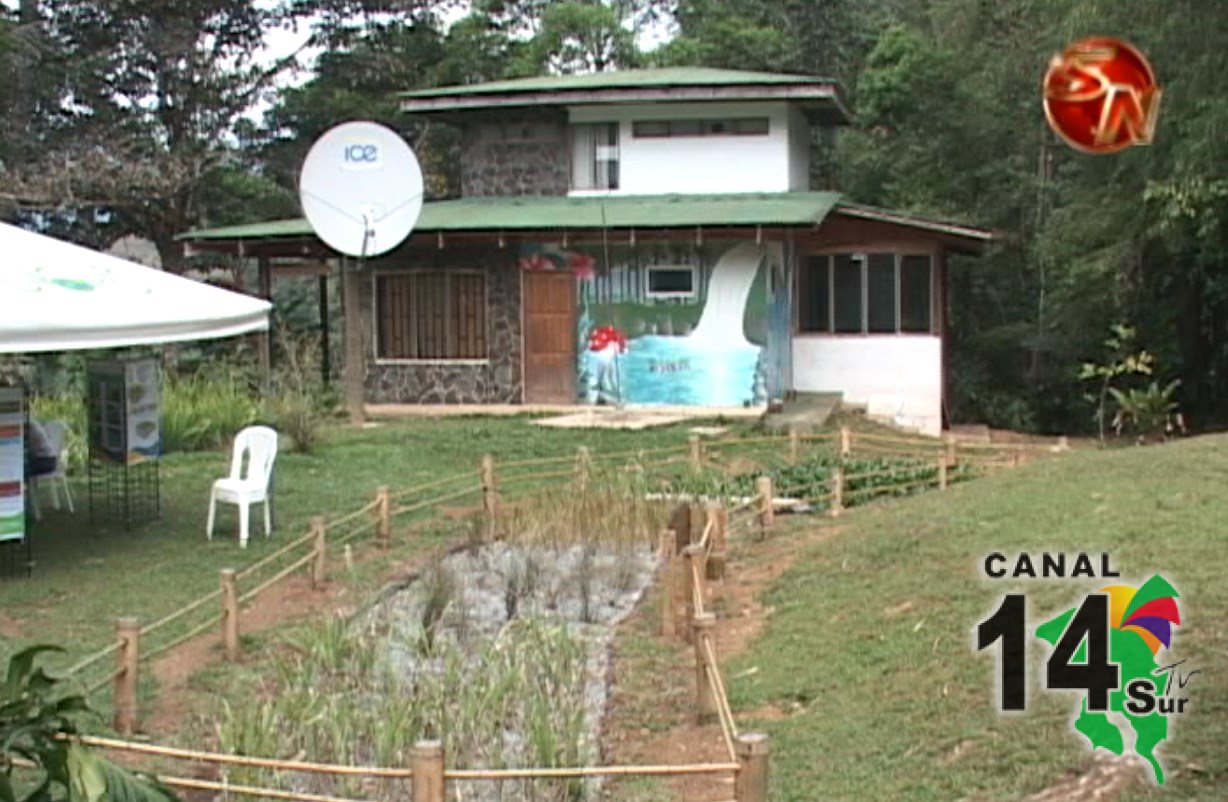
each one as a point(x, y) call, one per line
point(39, 759)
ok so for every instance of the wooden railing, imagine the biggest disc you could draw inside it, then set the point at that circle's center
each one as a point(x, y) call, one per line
point(687, 568)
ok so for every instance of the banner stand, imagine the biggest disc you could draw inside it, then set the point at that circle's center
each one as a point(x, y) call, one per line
point(16, 500)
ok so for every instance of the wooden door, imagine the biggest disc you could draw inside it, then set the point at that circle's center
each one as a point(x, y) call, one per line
point(549, 337)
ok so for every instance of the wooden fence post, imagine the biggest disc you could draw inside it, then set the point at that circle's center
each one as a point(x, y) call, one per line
point(1063, 443)
point(669, 578)
point(942, 471)
point(795, 445)
point(319, 566)
point(950, 452)
point(129, 657)
point(705, 693)
point(751, 783)
point(1016, 456)
point(697, 452)
point(490, 495)
point(680, 585)
point(767, 513)
point(584, 462)
point(230, 615)
point(693, 582)
point(426, 763)
point(383, 519)
point(717, 556)
point(846, 442)
point(837, 491)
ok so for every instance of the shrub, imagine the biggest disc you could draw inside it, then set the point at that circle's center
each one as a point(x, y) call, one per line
point(301, 402)
point(204, 411)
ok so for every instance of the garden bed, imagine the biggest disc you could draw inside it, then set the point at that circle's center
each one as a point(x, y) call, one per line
point(500, 650)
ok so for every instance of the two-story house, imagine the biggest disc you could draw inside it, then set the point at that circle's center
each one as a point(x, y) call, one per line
point(645, 237)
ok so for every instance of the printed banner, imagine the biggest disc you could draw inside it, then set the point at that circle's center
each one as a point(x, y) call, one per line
point(12, 464)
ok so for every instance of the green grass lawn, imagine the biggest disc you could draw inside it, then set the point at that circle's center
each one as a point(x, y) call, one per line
point(870, 651)
point(86, 574)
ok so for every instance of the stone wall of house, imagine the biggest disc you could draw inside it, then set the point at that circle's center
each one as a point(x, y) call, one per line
point(527, 157)
point(494, 381)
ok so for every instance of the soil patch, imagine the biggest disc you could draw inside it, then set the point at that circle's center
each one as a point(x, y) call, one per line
point(652, 712)
point(9, 627)
point(1104, 780)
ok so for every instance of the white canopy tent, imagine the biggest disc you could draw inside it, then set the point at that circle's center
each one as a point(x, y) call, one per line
point(56, 296)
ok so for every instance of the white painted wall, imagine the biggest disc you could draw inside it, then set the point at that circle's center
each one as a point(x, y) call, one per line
point(721, 164)
point(897, 377)
point(799, 151)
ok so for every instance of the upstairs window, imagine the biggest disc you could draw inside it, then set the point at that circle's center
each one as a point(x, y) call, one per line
point(671, 282)
point(866, 293)
point(594, 156)
point(734, 126)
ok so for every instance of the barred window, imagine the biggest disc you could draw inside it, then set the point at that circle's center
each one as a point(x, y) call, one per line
point(431, 315)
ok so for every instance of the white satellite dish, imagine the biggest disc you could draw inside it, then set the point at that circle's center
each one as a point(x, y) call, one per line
point(361, 189)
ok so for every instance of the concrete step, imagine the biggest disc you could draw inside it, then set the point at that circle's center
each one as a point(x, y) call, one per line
point(805, 412)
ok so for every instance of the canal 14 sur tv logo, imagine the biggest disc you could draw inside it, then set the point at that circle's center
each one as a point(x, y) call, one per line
point(1107, 649)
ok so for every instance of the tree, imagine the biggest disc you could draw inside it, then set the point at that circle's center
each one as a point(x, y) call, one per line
point(146, 98)
point(579, 37)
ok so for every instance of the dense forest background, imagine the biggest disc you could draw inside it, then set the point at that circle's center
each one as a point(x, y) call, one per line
point(137, 117)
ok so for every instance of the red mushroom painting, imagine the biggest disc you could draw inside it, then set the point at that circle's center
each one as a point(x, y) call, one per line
point(607, 342)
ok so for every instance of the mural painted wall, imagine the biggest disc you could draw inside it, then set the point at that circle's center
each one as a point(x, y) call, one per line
point(672, 324)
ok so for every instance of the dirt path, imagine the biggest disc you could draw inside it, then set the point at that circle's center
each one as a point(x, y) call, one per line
point(652, 712)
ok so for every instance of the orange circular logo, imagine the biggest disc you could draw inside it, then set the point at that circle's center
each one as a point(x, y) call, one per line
point(1101, 95)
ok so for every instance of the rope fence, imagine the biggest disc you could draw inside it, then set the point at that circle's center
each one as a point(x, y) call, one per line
point(689, 564)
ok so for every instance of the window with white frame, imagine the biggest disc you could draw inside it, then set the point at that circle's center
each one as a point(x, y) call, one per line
point(866, 293)
point(671, 282)
point(594, 156)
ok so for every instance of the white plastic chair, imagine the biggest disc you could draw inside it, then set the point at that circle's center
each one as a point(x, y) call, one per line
point(244, 488)
point(57, 438)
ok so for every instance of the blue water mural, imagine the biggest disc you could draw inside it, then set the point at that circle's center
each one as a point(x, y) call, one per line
point(711, 364)
point(683, 370)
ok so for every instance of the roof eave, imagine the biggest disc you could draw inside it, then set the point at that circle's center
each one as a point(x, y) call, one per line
point(975, 240)
point(826, 95)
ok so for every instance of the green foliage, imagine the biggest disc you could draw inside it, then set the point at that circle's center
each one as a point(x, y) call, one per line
point(301, 403)
point(1122, 360)
point(338, 693)
point(205, 410)
point(1146, 411)
point(37, 717)
point(812, 479)
point(577, 37)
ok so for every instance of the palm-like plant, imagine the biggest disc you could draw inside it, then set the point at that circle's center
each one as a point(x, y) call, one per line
point(39, 759)
point(1145, 411)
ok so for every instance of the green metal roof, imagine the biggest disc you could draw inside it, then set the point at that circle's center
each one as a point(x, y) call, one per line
point(623, 79)
point(576, 213)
